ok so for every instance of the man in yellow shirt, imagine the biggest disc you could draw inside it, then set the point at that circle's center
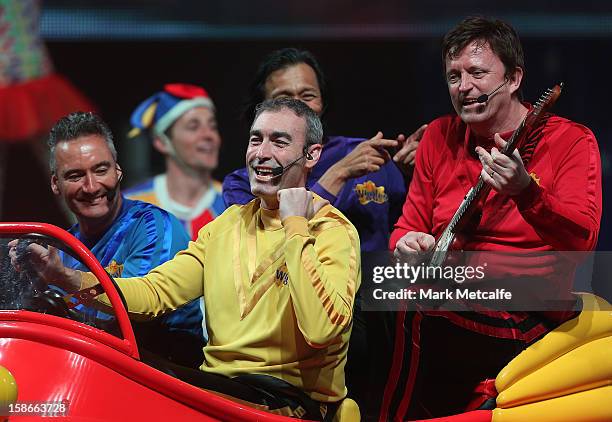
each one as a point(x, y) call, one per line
point(278, 274)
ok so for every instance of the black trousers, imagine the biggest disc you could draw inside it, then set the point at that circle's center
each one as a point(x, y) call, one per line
point(437, 362)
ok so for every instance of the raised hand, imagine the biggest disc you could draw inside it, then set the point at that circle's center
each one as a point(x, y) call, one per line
point(367, 157)
point(298, 202)
point(405, 156)
point(505, 174)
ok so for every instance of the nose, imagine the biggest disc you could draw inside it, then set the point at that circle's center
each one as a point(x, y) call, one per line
point(90, 183)
point(264, 151)
point(466, 83)
point(207, 131)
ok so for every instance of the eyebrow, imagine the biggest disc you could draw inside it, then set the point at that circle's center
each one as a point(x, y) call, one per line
point(195, 120)
point(280, 134)
point(300, 90)
point(95, 167)
point(274, 135)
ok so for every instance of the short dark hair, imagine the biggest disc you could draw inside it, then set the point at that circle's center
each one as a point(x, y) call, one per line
point(500, 36)
point(75, 125)
point(314, 127)
point(280, 59)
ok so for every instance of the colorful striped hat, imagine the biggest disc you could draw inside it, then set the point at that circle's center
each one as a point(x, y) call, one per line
point(163, 108)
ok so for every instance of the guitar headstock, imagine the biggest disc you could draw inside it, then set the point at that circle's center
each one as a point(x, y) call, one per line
point(547, 99)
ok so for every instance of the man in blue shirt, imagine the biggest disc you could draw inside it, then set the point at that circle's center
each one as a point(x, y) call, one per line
point(129, 238)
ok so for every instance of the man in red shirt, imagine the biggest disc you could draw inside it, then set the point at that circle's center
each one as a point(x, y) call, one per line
point(553, 203)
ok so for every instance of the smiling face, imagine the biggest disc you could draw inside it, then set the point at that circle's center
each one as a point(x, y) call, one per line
point(299, 82)
point(276, 139)
point(86, 176)
point(195, 139)
point(477, 70)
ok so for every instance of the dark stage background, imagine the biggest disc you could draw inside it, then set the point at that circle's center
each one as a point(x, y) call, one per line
point(382, 61)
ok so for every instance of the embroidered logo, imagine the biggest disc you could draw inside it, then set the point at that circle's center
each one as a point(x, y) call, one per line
point(368, 192)
point(114, 269)
point(282, 276)
point(535, 178)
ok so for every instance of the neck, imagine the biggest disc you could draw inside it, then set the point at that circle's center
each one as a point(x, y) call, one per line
point(508, 120)
point(94, 228)
point(186, 188)
point(269, 203)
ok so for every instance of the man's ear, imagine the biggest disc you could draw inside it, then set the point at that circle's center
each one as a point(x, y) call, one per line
point(160, 145)
point(119, 172)
point(313, 153)
point(515, 80)
point(54, 184)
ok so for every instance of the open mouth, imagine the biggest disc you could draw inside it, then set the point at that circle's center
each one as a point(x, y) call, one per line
point(206, 149)
point(93, 201)
point(263, 173)
point(469, 102)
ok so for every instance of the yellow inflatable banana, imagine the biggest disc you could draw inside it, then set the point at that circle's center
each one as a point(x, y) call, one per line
point(589, 366)
point(594, 322)
point(564, 377)
point(587, 406)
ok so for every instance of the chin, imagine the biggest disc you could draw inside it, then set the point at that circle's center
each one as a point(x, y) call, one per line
point(96, 212)
point(261, 191)
point(471, 117)
point(205, 166)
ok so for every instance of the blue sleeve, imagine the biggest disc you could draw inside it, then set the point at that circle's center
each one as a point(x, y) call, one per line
point(398, 189)
point(236, 188)
point(154, 239)
point(324, 193)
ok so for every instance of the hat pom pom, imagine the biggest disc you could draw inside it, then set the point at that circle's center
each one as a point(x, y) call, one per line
point(185, 90)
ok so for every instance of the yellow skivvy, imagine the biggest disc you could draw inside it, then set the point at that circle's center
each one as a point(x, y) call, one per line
point(565, 376)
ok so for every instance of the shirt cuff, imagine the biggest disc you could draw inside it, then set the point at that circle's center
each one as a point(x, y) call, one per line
point(323, 193)
point(527, 198)
point(88, 280)
point(295, 226)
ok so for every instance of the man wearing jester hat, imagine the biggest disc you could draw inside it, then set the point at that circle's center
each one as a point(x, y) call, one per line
point(181, 123)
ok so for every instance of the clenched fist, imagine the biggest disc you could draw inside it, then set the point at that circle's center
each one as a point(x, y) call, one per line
point(298, 202)
point(411, 243)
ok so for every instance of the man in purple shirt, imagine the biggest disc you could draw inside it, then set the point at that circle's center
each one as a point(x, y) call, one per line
point(356, 176)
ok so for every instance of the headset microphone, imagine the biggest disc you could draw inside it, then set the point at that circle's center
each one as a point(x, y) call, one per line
point(278, 171)
point(485, 97)
point(110, 195)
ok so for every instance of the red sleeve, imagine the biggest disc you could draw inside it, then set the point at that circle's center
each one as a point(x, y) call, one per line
point(567, 216)
point(417, 209)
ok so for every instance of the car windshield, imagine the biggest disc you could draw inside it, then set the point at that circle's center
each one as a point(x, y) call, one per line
point(22, 287)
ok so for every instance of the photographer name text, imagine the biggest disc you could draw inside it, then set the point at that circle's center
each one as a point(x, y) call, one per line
point(446, 294)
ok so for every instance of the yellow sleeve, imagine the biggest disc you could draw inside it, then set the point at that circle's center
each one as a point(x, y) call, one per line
point(325, 271)
point(167, 286)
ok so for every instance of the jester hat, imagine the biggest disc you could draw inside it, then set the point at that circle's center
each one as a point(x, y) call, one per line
point(165, 107)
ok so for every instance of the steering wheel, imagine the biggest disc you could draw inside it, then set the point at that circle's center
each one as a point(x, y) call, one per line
point(48, 300)
point(52, 302)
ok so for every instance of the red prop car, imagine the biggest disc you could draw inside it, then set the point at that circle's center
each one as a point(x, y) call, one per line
point(54, 362)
